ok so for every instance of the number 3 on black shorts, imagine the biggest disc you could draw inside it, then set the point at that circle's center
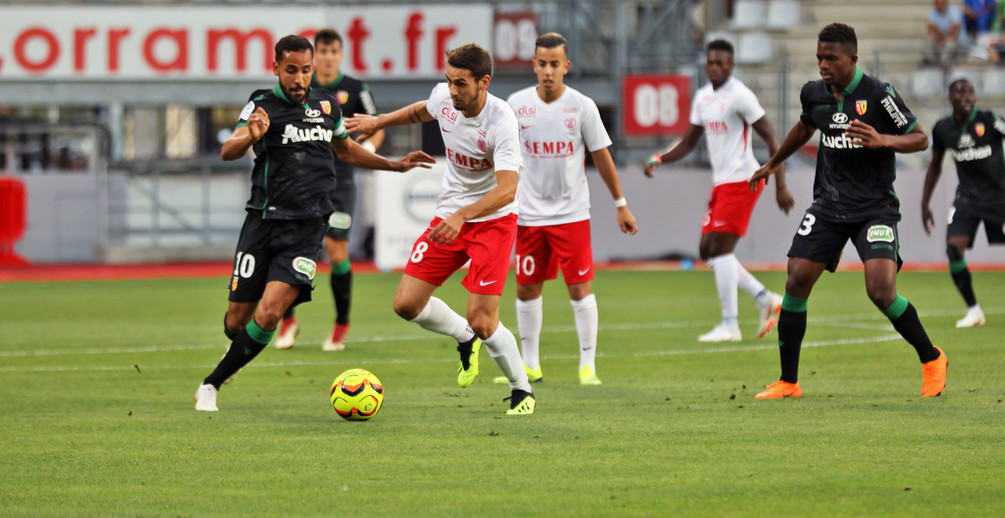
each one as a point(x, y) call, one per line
point(807, 226)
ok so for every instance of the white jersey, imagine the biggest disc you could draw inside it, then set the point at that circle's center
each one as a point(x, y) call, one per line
point(554, 139)
point(727, 115)
point(476, 148)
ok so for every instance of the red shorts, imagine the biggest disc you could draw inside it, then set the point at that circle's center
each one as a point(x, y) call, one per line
point(540, 251)
point(730, 207)
point(488, 244)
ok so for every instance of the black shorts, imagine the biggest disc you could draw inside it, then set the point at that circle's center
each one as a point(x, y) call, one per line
point(340, 221)
point(822, 240)
point(276, 250)
point(964, 218)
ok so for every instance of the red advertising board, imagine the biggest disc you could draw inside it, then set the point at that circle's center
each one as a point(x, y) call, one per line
point(655, 104)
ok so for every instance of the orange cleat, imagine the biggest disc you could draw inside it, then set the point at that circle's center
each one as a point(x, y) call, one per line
point(933, 375)
point(781, 389)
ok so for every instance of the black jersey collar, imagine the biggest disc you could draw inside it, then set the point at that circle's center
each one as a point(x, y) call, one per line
point(970, 119)
point(329, 86)
point(278, 91)
point(848, 89)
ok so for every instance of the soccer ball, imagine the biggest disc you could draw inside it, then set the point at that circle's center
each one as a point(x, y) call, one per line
point(357, 395)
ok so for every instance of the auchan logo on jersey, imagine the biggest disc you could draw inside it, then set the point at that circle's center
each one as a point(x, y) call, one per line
point(841, 141)
point(294, 134)
point(560, 149)
point(467, 163)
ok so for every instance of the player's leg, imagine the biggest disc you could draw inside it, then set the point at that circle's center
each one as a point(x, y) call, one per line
point(341, 284)
point(716, 249)
point(877, 245)
point(587, 316)
point(483, 314)
point(960, 233)
point(574, 250)
point(529, 320)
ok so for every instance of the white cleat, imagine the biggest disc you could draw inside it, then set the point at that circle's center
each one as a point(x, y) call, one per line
point(973, 318)
point(721, 333)
point(205, 398)
point(769, 314)
point(335, 341)
point(288, 331)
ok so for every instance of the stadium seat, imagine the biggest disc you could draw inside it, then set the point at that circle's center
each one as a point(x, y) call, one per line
point(753, 47)
point(994, 80)
point(928, 81)
point(749, 14)
point(783, 14)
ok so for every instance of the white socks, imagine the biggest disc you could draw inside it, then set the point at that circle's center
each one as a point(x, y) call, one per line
point(587, 318)
point(529, 316)
point(747, 282)
point(501, 346)
point(727, 278)
point(439, 318)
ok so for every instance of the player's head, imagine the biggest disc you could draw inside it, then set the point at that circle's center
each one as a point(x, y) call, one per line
point(469, 71)
point(962, 96)
point(328, 51)
point(294, 66)
point(941, 5)
point(837, 54)
point(718, 62)
point(551, 63)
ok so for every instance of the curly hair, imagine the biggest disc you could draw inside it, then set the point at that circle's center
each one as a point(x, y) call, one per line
point(839, 33)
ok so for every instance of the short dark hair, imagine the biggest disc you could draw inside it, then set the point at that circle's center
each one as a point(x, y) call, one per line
point(839, 33)
point(327, 36)
point(472, 58)
point(722, 45)
point(292, 43)
point(550, 40)
point(959, 83)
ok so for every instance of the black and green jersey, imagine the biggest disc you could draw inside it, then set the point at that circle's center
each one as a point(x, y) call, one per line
point(976, 147)
point(354, 97)
point(294, 172)
point(854, 183)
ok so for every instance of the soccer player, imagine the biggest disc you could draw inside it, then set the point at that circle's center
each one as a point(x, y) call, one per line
point(557, 126)
point(863, 123)
point(475, 218)
point(724, 110)
point(354, 97)
point(974, 140)
point(291, 185)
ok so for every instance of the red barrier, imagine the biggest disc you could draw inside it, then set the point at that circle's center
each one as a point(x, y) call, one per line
point(13, 219)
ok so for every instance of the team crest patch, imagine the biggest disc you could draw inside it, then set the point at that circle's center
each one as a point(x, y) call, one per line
point(880, 233)
point(326, 106)
point(861, 107)
point(340, 220)
point(305, 266)
point(233, 284)
point(570, 124)
point(482, 145)
point(343, 96)
point(979, 129)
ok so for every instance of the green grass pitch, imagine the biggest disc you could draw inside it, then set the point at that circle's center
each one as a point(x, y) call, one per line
point(98, 380)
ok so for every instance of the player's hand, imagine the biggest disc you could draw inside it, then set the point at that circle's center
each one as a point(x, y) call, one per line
point(650, 167)
point(258, 124)
point(413, 160)
point(446, 230)
point(761, 174)
point(785, 199)
point(626, 221)
point(927, 220)
point(362, 123)
point(864, 134)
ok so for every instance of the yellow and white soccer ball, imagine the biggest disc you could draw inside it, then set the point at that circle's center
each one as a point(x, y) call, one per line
point(357, 395)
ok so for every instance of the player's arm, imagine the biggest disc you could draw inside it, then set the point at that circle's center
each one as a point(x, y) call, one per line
point(370, 108)
point(798, 136)
point(609, 173)
point(245, 136)
point(931, 179)
point(679, 151)
point(369, 125)
point(351, 152)
point(910, 142)
point(501, 195)
point(783, 196)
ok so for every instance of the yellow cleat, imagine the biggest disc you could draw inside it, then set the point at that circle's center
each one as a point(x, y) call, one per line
point(533, 376)
point(469, 352)
point(521, 403)
point(588, 377)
